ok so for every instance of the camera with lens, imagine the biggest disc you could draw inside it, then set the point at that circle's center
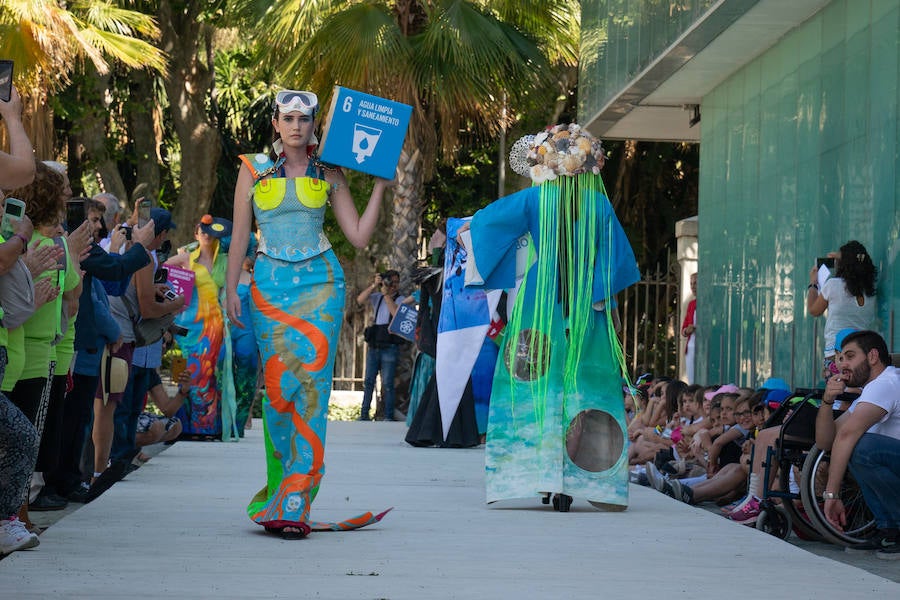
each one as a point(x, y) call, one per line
point(127, 231)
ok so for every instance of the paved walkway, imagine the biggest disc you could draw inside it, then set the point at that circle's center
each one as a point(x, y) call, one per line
point(176, 528)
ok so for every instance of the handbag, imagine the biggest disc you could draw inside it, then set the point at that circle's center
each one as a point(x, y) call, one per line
point(378, 335)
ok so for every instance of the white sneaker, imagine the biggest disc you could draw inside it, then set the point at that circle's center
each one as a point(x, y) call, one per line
point(14, 536)
point(657, 480)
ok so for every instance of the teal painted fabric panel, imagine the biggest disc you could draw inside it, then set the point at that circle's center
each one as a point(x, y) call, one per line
point(798, 155)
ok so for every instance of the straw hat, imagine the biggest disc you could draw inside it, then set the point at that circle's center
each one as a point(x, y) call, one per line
point(113, 374)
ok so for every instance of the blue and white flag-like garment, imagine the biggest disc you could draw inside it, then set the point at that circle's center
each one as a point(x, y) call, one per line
point(465, 318)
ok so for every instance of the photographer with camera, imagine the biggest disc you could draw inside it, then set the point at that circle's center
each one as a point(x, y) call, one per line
point(848, 296)
point(115, 417)
point(382, 347)
point(95, 330)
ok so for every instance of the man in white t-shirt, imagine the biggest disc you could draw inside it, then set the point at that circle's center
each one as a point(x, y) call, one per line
point(866, 438)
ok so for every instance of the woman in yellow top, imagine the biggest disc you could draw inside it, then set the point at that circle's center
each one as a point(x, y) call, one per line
point(297, 304)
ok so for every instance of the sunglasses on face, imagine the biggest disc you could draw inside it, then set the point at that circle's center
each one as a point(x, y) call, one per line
point(306, 103)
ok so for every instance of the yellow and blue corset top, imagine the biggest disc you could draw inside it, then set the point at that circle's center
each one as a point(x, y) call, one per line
point(290, 213)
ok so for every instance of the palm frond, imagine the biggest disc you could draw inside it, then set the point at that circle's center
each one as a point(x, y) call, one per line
point(467, 58)
point(106, 16)
point(131, 52)
point(47, 39)
point(289, 23)
point(359, 47)
point(555, 25)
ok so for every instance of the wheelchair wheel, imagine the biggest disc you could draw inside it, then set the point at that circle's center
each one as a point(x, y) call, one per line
point(860, 522)
point(802, 523)
point(775, 521)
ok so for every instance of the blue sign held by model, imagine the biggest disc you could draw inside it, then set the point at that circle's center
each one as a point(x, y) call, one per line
point(364, 132)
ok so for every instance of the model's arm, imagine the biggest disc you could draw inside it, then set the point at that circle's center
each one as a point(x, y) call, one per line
point(240, 238)
point(182, 259)
point(16, 168)
point(358, 229)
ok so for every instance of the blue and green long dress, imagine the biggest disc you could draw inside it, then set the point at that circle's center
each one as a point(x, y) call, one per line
point(557, 420)
point(297, 296)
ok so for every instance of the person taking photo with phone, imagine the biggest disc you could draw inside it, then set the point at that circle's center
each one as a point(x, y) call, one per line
point(33, 355)
point(17, 166)
point(19, 439)
point(848, 296)
point(95, 330)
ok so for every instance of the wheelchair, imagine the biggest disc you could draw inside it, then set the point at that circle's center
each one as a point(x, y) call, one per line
point(860, 522)
point(782, 510)
point(795, 453)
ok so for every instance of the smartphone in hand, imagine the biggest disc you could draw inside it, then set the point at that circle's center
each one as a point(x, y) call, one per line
point(828, 261)
point(15, 210)
point(74, 215)
point(179, 364)
point(143, 211)
point(6, 79)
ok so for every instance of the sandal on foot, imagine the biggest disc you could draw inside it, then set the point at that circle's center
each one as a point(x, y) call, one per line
point(281, 527)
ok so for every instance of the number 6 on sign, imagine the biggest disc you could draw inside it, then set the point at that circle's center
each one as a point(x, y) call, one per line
point(364, 132)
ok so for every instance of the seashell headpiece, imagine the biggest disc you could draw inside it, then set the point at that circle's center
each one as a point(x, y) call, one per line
point(562, 150)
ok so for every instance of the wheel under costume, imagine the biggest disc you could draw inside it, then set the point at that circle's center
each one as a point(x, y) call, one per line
point(297, 296)
point(557, 420)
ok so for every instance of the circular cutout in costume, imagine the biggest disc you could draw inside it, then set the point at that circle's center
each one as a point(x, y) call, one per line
point(594, 440)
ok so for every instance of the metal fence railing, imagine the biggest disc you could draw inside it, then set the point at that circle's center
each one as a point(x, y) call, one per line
point(648, 312)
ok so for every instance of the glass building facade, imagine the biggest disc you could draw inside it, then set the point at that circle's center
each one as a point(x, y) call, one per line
point(798, 154)
point(620, 38)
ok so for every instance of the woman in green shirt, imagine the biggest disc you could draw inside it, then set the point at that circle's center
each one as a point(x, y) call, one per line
point(45, 204)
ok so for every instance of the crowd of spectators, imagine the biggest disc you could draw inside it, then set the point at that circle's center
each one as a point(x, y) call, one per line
point(709, 444)
point(72, 419)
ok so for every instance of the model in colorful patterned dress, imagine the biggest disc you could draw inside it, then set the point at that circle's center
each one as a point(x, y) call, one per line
point(297, 305)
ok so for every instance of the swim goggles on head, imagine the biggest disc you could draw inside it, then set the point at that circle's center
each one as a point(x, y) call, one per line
point(293, 101)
